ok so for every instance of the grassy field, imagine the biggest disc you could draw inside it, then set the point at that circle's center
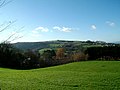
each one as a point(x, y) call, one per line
point(90, 75)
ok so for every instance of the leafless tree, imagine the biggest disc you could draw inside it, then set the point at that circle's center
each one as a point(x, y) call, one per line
point(15, 35)
point(6, 26)
point(4, 2)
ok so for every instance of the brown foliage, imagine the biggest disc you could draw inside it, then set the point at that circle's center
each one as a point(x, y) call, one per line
point(79, 56)
point(60, 54)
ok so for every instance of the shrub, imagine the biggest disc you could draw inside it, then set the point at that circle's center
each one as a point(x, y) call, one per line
point(10, 56)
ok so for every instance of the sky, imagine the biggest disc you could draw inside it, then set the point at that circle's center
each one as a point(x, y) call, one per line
point(44, 20)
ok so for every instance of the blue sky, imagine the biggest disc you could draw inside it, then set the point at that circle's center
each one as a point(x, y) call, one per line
point(45, 20)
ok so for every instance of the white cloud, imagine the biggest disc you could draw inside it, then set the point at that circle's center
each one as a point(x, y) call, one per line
point(36, 31)
point(42, 29)
point(93, 27)
point(57, 28)
point(112, 24)
point(63, 29)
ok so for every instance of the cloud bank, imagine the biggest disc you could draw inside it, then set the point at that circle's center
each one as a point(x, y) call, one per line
point(62, 29)
point(42, 29)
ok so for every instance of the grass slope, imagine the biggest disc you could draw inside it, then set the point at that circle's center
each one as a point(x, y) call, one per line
point(94, 75)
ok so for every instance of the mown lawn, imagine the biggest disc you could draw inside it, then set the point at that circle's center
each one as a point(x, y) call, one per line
point(89, 75)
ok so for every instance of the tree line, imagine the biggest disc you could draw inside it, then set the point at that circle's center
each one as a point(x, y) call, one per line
point(104, 53)
point(12, 57)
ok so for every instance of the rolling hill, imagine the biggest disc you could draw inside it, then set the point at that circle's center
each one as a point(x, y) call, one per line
point(90, 75)
point(59, 43)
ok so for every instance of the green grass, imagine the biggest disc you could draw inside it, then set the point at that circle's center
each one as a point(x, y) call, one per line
point(41, 51)
point(89, 75)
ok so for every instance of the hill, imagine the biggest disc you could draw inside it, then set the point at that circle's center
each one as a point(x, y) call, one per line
point(31, 45)
point(59, 43)
point(94, 75)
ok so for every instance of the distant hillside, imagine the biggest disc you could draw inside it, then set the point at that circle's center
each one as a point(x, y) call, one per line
point(31, 45)
point(40, 45)
point(59, 43)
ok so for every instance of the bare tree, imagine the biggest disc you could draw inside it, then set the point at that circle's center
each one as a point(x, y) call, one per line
point(6, 26)
point(4, 2)
point(13, 36)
